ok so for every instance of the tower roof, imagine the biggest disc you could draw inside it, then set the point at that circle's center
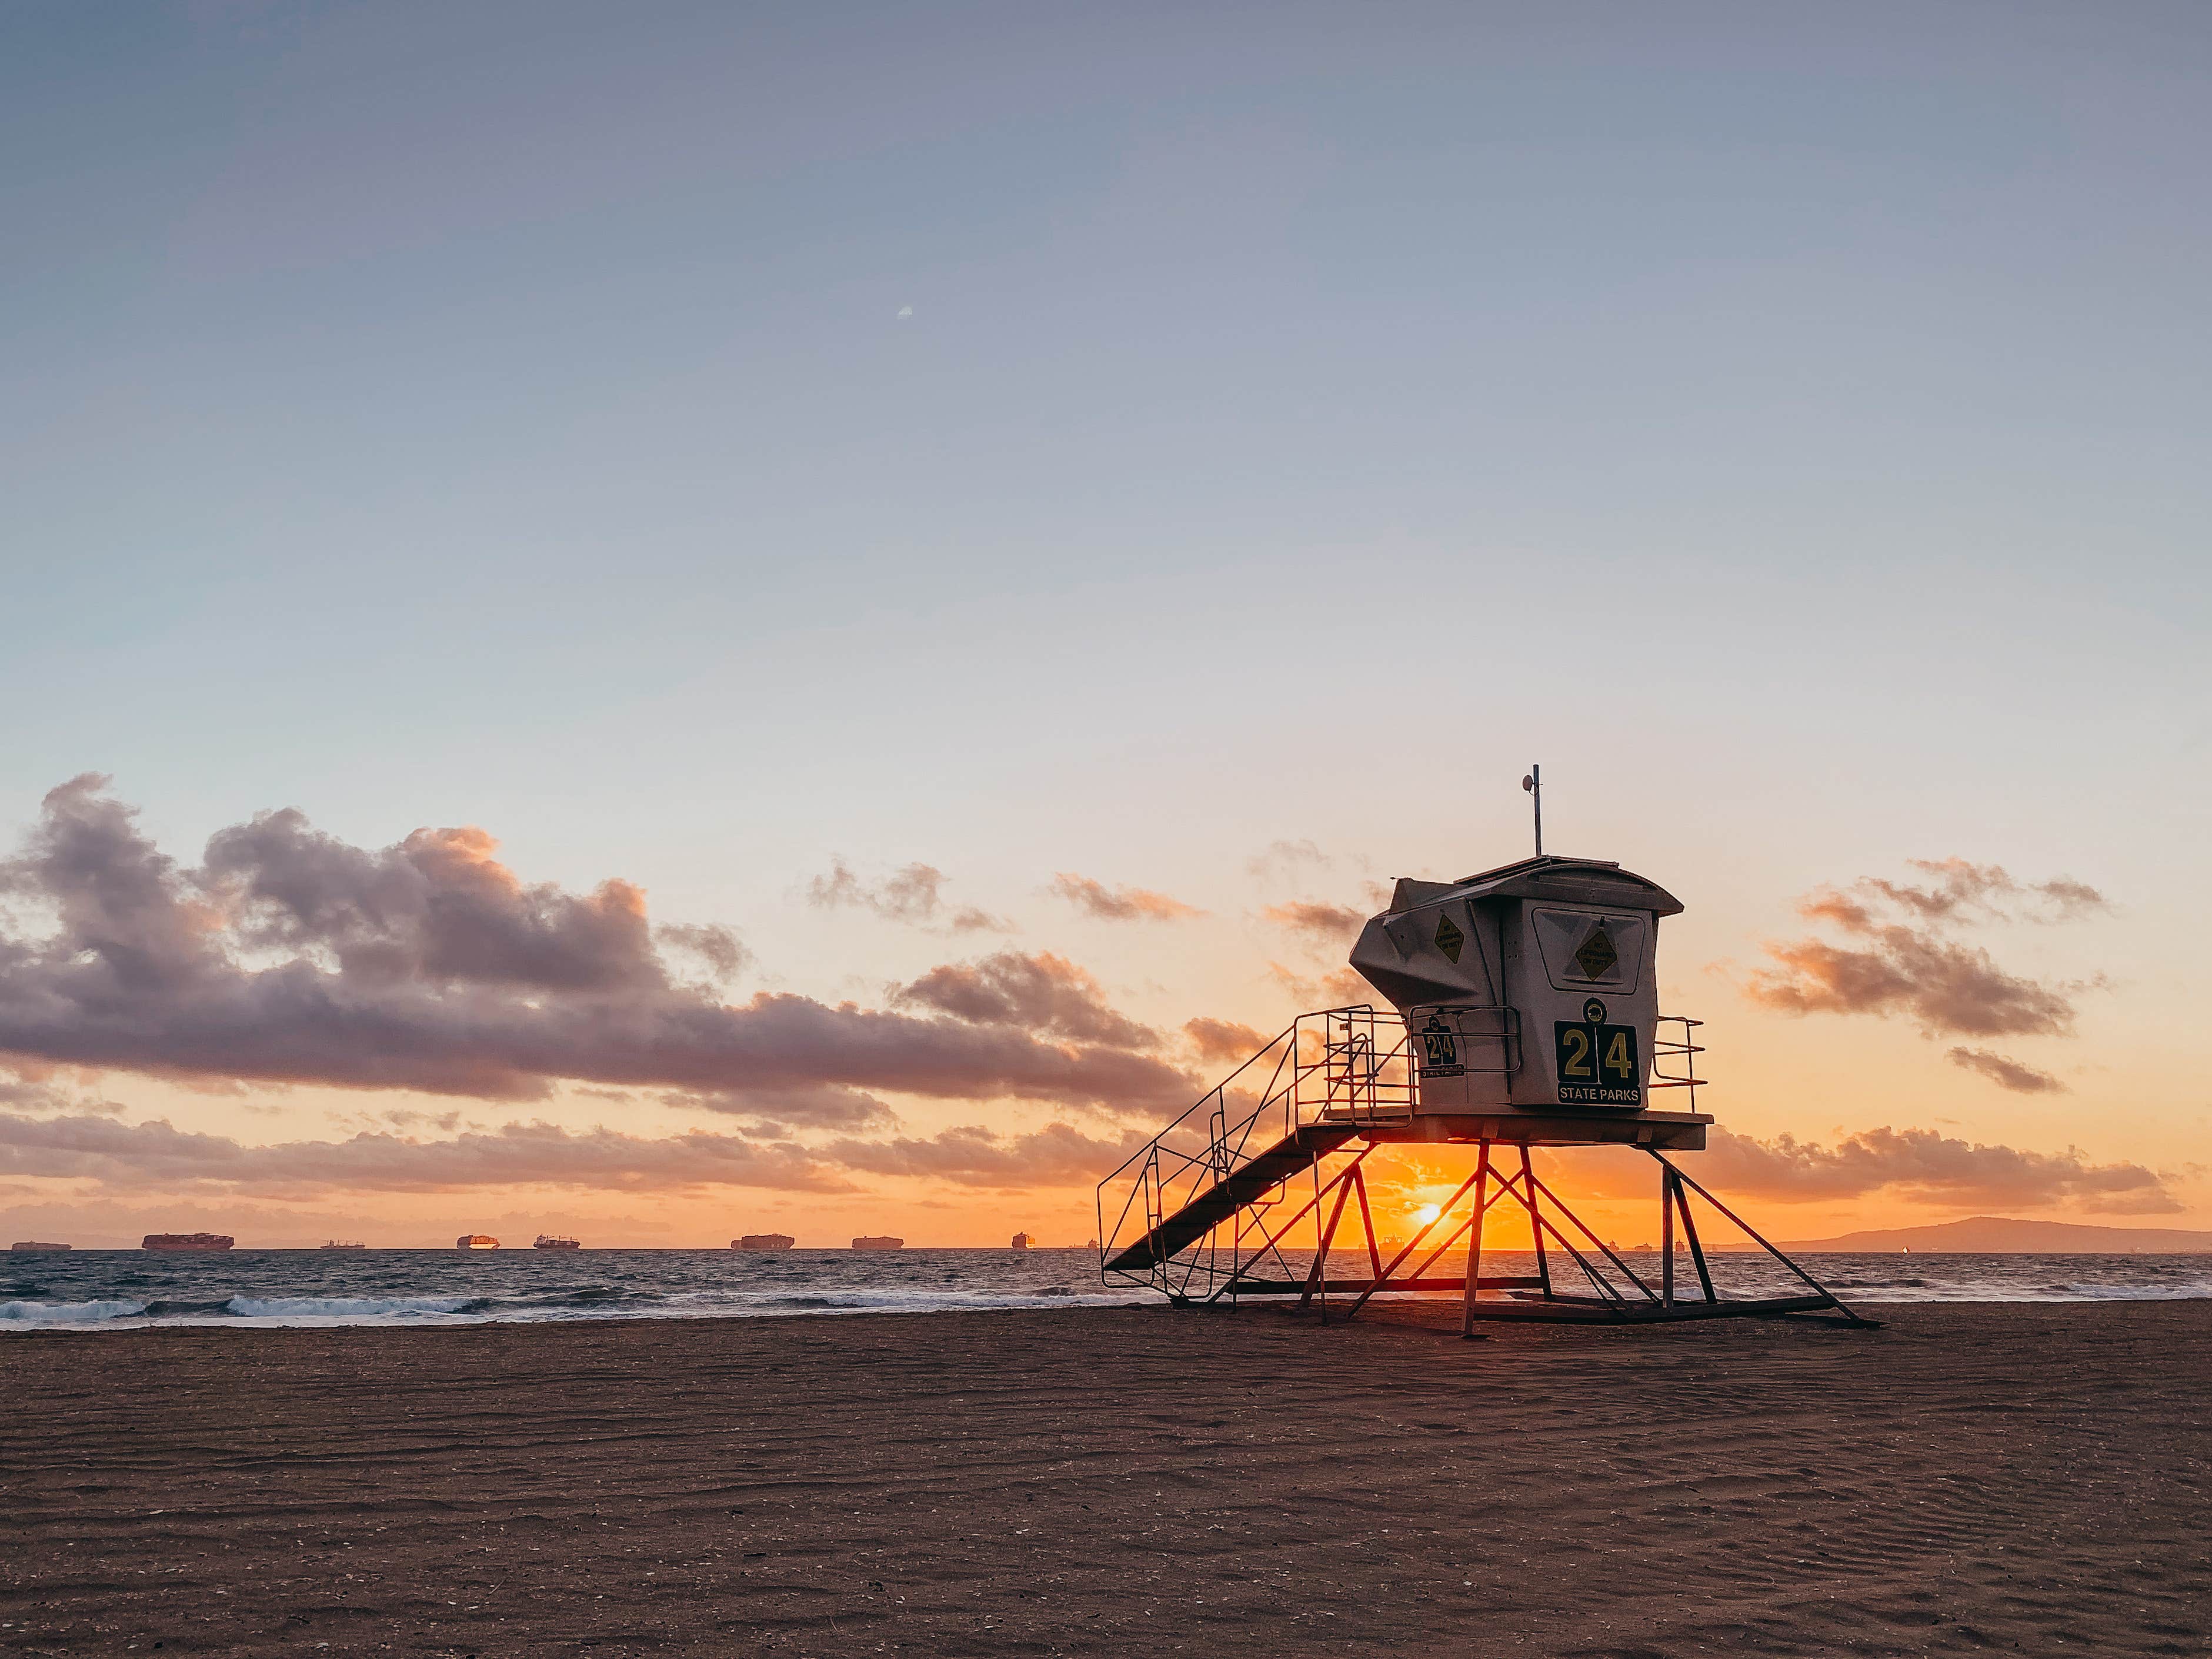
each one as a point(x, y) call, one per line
point(1564, 880)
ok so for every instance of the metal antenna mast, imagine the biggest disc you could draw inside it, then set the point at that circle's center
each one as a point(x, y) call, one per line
point(1533, 783)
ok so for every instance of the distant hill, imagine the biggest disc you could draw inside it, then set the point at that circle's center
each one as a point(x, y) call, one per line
point(1995, 1234)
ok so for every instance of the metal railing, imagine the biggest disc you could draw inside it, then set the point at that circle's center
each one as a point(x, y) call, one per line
point(1306, 1094)
point(1340, 1069)
point(1682, 1052)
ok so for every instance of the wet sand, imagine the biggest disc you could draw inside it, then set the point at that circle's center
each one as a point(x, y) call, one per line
point(2028, 1478)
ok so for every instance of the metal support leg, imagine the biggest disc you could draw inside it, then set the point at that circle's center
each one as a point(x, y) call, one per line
point(1318, 1277)
point(1367, 1220)
point(1535, 1222)
point(1667, 1237)
point(1696, 1250)
point(1475, 1241)
point(1397, 1260)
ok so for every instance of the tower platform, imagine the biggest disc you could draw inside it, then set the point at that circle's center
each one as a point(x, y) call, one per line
point(1196, 1212)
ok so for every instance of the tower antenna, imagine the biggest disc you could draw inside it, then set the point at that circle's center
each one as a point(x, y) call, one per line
point(1533, 783)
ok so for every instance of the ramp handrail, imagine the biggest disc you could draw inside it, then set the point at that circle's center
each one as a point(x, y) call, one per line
point(1336, 1069)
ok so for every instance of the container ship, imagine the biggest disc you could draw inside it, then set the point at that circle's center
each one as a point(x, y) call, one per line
point(763, 1242)
point(547, 1242)
point(187, 1242)
point(34, 1247)
point(870, 1243)
point(476, 1241)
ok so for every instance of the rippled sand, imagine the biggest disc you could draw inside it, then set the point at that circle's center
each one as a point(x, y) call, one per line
point(2021, 1479)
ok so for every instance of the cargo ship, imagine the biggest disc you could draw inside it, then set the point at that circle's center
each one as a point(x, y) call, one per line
point(187, 1242)
point(547, 1242)
point(476, 1241)
point(1022, 1242)
point(879, 1243)
point(34, 1247)
point(763, 1242)
point(340, 1244)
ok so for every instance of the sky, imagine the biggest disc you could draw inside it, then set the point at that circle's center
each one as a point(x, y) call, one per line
point(671, 620)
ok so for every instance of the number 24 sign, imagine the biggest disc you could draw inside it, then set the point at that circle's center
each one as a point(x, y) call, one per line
point(1597, 1065)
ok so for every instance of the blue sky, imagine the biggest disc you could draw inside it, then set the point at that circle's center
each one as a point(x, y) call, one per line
point(696, 441)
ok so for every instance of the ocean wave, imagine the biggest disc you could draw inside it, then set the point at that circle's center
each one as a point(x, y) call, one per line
point(2139, 1292)
point(1953, 1291)
point(1877, 1284)
point(903, 1299)
point(67, 1313)
point(581, 1296)
point(348, 1307)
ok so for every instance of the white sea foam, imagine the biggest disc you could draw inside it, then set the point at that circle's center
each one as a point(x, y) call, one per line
point(2140, 1293)
point(344, 1306)
point(21, 1313)
point(905, 1299)
point(121, 1291)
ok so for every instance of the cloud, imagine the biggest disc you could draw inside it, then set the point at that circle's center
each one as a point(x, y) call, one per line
point(1119, 903)
point(439, 908)
point(49, 1090)
point(914, 897)
point(718, 947)
point(1961, 889)
point(1285, 858)
point(1054, 1156)
point(1923, 1163)
point(1039, 993)
point(1222, 1040)
point(1904, 958)
point(1327, 923)
point(292, 958)
point(1340, 987)
point(156, 1155)
point(1945, 987)
point(2008, 1073)
point(817, 1105)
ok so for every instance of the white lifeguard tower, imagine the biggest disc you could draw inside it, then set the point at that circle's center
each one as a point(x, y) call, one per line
point(1524, 1014)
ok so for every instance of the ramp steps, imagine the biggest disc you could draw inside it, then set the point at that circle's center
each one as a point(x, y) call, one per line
point(1295, 1153)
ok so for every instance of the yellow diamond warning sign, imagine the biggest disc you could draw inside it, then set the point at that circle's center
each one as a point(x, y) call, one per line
point(1596, 955)
point(1451, 941)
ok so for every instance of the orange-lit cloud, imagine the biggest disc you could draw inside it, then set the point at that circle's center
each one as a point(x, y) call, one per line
point(1040, 992)
point(1339, 987)
point(1222, 1040)
point(428, 966)
point(1919, 1165)
point(2006, 1072)
point(1327, 923)
point(1095, 898)
point(141, 1156)
point(1903, 956)
point(1055, 1156)
point(913, 896)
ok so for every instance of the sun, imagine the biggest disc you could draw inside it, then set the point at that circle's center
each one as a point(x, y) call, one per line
point(1427, 1213)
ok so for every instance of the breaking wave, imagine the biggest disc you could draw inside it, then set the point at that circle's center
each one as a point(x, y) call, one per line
point(67, 1313)
point(118, 1290)
point(348, 1307)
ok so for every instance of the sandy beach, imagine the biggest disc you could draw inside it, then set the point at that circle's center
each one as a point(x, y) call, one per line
point(2030, 1479)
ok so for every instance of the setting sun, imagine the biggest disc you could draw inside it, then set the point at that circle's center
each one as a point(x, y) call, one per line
point(1427, 1213)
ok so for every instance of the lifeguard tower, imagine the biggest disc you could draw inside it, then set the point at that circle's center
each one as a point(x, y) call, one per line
point(1524, 1014)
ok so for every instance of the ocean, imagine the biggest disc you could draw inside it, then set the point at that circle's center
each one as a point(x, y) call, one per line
point(125, 1289)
